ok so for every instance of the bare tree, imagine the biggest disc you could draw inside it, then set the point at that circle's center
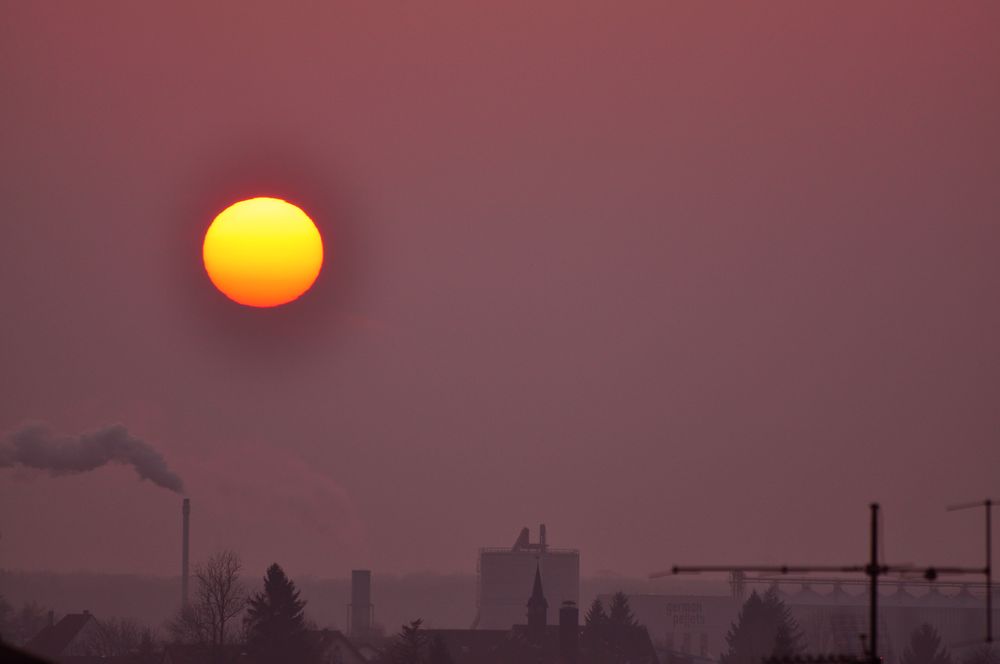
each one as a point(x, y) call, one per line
point(6, 612)
point(118, 637)
point(190, 626)
point(221, 593)
point(982, 655)
point(219, 599)
point(20, 626)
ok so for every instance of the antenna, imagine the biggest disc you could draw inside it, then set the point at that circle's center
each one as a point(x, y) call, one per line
point(988, 571)
point(873, 572)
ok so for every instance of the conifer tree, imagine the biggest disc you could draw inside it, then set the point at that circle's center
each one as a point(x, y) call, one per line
point(787, 636)
point(620, 613)
point(785, 643)
point(595, 614)
point(409, 645)
point(764, 628)
point(437, 652)
point(595, 628)
point(624, 637)
point(275, 622)
point(925, 648)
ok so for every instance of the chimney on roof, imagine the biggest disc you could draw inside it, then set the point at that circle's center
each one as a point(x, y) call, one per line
point(569, 633)
point(186, 516)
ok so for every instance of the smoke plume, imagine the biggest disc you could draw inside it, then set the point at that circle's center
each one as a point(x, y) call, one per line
point(35, 446)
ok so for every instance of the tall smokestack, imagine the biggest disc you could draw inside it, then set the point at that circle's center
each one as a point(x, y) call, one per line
point(186, 511)
point(362, 609)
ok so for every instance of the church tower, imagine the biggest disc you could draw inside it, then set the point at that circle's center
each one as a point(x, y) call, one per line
point(538, 609)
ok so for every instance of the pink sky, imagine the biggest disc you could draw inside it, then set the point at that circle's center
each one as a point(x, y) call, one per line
point(685, 283)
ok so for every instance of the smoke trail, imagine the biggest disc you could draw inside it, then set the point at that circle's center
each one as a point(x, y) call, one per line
point(35, 446)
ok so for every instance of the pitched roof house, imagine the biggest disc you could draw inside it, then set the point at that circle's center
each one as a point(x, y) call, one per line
point(64, 638)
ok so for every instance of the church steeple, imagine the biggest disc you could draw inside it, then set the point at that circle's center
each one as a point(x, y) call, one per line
point(537, 608)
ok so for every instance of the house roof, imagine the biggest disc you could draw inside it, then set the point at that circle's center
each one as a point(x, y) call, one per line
point(369, 651)
point(328, 638)
point(479, 646)
point(117, 659)
point(54, 639)
point(494, 646)
point(181, 653)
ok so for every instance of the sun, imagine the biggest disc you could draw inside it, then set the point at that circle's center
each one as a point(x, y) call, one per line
point(263, 252)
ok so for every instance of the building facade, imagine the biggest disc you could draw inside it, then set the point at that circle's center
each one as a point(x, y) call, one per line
point(505, 577)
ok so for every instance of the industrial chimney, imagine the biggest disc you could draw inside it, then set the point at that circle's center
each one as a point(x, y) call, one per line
point(186, 512)
point(362, 611)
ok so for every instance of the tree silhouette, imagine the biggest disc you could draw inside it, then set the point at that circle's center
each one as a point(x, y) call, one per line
point(764, 627)
point(785, 642)
point(622, 639)
point(595, 633)
point(275, 623)
point(595, 614)
point(982, 655)
point(925, 648)
point(221, 593)
point(6, 611)
point(620, 613)
point(409, 645)
point(117, 637)
point(438, 652)
point(787, 637)
point(22, 625)
point(219, 599)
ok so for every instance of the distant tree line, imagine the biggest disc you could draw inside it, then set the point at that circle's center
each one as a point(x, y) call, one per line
point(226, 621)
point(223, 620)
point(765, 628)
point(17, 626)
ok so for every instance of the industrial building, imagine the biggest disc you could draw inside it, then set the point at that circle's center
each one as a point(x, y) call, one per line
point(505, 576)
point(361, 611)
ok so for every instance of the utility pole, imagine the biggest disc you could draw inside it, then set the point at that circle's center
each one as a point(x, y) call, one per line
point(988, 570)
point(873, 572)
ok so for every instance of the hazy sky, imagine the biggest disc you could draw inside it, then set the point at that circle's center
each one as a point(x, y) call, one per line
point(688, 282)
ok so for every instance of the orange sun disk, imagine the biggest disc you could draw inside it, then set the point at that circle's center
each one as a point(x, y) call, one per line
point(263, 252)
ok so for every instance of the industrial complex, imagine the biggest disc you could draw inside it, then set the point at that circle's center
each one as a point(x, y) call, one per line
point(505, 575)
